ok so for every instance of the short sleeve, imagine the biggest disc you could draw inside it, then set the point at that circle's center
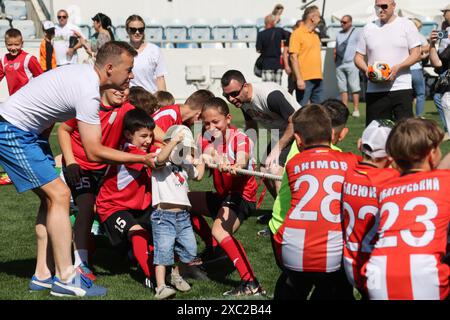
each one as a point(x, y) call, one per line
point(190, 169)
point(294, 42)
point(412, 35)
point(87, 110)
point(361, 47)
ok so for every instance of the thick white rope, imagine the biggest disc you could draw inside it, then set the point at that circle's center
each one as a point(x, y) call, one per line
point(251, 173)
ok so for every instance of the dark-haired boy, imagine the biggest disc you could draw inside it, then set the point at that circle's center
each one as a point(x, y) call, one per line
point(123, 202)
point(309, 243)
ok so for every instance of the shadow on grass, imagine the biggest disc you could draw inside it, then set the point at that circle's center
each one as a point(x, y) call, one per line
point(19, 268)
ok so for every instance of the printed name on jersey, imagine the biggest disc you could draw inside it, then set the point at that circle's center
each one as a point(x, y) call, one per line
point(423, 185)
point(321, 164)
point(359, 191)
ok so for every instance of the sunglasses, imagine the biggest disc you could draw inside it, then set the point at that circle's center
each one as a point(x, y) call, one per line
point(382, 6)
point(135, 30)
point(62, 17)
point(344, 22)
point(233, 94)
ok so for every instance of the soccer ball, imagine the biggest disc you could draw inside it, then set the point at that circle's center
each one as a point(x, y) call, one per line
point(379, 71)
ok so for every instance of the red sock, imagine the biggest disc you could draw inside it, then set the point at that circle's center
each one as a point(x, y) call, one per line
point(237, 254)
point(202, 228)
point(143, 251)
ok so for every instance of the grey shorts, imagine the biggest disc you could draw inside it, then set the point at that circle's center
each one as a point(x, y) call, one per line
point(347, 76)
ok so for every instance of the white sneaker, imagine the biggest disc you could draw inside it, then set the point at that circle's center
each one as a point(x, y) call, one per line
point(179, 283)
point(356, 114)
point(164, 292)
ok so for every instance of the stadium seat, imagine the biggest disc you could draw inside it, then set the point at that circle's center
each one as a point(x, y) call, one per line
point(121, 33)
point(4, 25)
point(86, 31)
point(27, 28)
point(199, 33)
point(154, 33)
point(15, 10)
point(223, 33)
point(246, 33)
point(176, 33)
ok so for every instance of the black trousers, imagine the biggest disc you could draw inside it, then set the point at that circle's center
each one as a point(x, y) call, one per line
point(393, 105)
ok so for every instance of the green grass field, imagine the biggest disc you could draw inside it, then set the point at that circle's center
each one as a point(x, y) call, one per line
point(17, 242)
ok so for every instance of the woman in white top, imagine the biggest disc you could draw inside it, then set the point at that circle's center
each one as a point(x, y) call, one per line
point(149, 66)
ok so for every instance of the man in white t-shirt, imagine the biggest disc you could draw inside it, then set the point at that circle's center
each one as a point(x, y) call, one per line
point(270, 105)
point(394, 40)
point(26, 120)
point(65, 51)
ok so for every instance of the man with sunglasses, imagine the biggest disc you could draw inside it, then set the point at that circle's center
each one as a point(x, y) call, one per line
point(347, 74)
point(66, 53)
point(396, 41)
point(267, 104)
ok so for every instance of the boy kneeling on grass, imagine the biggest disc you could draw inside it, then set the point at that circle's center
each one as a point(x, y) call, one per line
point(124, 199)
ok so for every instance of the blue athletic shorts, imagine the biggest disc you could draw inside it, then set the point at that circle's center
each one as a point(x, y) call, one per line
point(26, 157)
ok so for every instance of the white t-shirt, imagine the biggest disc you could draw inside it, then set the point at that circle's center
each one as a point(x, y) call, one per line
point(148, 65)
point(57, 95)
point(266, 96)
point(61, 43)
point(170, 184)
point(418, 65)
point(389, 43)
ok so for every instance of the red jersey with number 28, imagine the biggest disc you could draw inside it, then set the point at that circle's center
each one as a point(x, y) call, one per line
point(360, 216)
point(126, 187)
point(406, 262)
point(310, 239)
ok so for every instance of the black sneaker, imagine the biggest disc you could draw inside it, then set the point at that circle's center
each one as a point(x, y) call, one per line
point(246, 288)
point(264, 232)
point(264, 218)
point(149, 283)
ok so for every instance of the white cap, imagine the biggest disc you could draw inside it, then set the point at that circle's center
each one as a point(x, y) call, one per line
point(188, 140)
point(373, 140)
point(47, 25)
point(447, 8)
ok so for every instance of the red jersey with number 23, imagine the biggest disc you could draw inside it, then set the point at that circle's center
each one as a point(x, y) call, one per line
point(406, 262)
point(360, 216)
point(310, 238)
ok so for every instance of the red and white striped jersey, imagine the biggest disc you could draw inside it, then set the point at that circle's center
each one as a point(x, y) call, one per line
point(19, 69)
point(360, 216)
point(310, 238)
point(406, 262)
point(226, 183)
point(126, 187)
point(167, 117)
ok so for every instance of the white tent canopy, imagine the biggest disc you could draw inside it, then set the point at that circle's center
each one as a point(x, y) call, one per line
point(363, 11)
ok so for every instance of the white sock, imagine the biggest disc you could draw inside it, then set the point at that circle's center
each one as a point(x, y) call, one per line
point(80, 256)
